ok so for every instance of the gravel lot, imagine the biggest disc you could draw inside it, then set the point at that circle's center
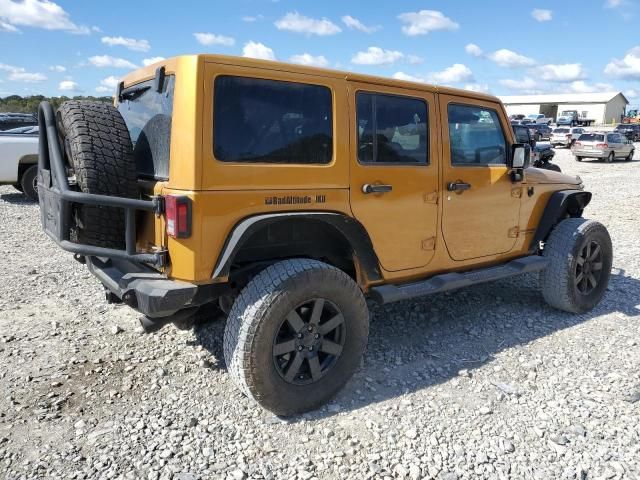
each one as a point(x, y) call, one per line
point(486, 382)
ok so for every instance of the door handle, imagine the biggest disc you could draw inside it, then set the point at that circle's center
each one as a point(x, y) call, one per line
point(368, 188)
point(458, 186)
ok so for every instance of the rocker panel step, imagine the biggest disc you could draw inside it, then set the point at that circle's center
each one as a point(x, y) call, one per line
point(451, 281)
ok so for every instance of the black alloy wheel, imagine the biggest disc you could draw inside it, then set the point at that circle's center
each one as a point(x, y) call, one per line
point(588, 267)
point(309, 342)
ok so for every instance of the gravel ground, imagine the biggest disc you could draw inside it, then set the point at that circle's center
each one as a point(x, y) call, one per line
point(486, 382)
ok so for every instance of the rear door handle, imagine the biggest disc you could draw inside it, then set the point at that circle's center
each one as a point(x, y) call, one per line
point(458, 186)
point(368, 188)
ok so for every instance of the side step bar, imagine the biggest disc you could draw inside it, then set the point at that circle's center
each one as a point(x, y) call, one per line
point(450, 281)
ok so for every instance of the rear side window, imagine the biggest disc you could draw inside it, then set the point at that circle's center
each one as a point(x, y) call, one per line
point(392, 129)
point(476, 136)
point(591, 137)
point(269, 121)
point(147, 114)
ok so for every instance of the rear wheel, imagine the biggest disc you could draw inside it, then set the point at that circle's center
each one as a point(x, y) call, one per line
point(29, 183)
point(580, 258)
point(99, 149)
point(610, 158)
point(630, 156)
point(579, 159)
point(295, 335)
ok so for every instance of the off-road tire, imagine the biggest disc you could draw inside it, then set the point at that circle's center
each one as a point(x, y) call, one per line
point(564, 245)
point(98, 148)
point(257, 316)
point(28, 183)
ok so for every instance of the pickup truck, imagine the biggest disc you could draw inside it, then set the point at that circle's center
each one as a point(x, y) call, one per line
point(572, 118)
point(19, 162)
point(539, 118)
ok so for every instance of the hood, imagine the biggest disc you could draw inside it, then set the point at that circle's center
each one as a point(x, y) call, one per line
point(542, 176)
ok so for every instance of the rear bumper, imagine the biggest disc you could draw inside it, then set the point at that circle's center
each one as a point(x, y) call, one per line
point(590, 153)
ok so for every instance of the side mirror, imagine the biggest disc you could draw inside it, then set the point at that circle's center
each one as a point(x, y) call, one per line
point(520, 156)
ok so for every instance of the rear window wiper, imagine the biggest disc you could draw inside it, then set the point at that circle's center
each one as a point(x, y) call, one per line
point(133, 92)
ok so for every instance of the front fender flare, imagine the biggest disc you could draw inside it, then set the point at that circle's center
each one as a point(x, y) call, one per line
point(560, 205)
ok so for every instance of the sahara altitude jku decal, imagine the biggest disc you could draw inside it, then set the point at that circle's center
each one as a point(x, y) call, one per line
point(295, 200)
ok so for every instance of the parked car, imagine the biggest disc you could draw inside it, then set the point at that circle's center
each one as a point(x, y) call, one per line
point(25, 130)
point(539, 118)
point(290, 194)
point(541, 153)
point(604, 146)
point(565, 137)
point(541, 131)
point(14, 120)
point(573, 119)
point(631, 131)
point(19, 162)
point(516, 116)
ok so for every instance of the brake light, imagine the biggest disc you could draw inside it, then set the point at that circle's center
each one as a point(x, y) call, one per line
point(178, 214)
point(577, 144)
point(602, 145)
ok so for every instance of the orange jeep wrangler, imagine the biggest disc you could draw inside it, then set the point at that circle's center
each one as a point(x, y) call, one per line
point(286, 195)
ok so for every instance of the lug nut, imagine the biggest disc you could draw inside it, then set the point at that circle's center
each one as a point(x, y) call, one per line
point(316, 336)
point(310, 328)
point(311, 348)
point(299, 335)
point(300, 348)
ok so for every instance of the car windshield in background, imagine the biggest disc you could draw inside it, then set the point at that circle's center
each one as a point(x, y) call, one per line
point(561, 130)
point(566, 114)
point(533, 115)
point(591, 137)
point(148, 118)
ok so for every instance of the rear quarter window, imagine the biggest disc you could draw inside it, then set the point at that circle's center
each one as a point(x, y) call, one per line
point(269, 121)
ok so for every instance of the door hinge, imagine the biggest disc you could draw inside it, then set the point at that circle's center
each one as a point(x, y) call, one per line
point(431, 197)
point(514, 232)
point(516, 192)
point(429, 244)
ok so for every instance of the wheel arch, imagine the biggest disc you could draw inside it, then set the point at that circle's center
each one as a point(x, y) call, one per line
point(25, 162)
point(561, 204)
point(323, 232)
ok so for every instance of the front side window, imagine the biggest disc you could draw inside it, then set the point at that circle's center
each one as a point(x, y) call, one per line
point(148, 114)
point(269, 121)
point(476, 136)
point(392, 129)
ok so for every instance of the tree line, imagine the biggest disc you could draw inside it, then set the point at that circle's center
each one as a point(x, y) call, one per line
point(18, 104)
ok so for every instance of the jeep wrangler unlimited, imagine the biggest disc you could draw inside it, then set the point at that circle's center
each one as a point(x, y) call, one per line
point(286, 195)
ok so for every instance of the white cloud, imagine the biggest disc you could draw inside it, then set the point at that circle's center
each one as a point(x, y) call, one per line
point(526, 84)
point(542, 15)
point(294, 22)
point(38, 14)
point(561, 73)
point(57, 68)
point(102, 89)
point(252, 18)
point(407, 77)
point(425, 21)
point(310, 60)
point(7, 27)
point(150, 61)
point(628, 68)
point(454, 74)
point(613, 3)
point(631, 93)
point(376, 56)
point(355, 24)
point(68, 86)
point(477, 87)
point(414, 59)
point(19, 74)
point(110, 82)
point(510, 59)
point(474, 50)
point(213, 39)
point(257, 50)
point(130, 43)
point(106, 61)
point(580, 86)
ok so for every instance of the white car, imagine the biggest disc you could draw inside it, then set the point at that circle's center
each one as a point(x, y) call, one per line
point(565, 136)
point(19, 162)
point(539, 118)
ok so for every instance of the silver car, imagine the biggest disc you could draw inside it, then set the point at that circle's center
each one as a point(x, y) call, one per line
point(603, 145)
point(565, 136)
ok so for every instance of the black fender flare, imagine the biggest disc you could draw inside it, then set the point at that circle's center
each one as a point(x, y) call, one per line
point(559, 205)
point(352, 231)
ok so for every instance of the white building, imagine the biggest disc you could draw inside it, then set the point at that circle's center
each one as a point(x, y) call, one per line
point(604, 108)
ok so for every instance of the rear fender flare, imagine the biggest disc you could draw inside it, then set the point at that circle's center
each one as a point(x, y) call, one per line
point(560, 205)
point(349, 228)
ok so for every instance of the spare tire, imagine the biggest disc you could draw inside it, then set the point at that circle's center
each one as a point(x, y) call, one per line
point(99, 151)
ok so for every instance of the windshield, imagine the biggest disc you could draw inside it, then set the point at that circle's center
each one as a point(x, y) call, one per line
point(533, 115)
point(147, 114)
point(567, 113)
point(591, 137)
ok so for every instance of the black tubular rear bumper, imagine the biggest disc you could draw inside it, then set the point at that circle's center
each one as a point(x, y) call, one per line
point(56, 200)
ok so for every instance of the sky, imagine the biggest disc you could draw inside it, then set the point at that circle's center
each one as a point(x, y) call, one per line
point(502, 47)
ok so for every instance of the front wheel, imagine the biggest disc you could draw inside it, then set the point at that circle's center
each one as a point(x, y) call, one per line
point(580, 257)
point(630, 156)
point(611, 158)
point(295, 335)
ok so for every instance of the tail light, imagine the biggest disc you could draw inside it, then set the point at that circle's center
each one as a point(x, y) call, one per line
point(577, 144)
point(178, 214)
point(602, 145)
